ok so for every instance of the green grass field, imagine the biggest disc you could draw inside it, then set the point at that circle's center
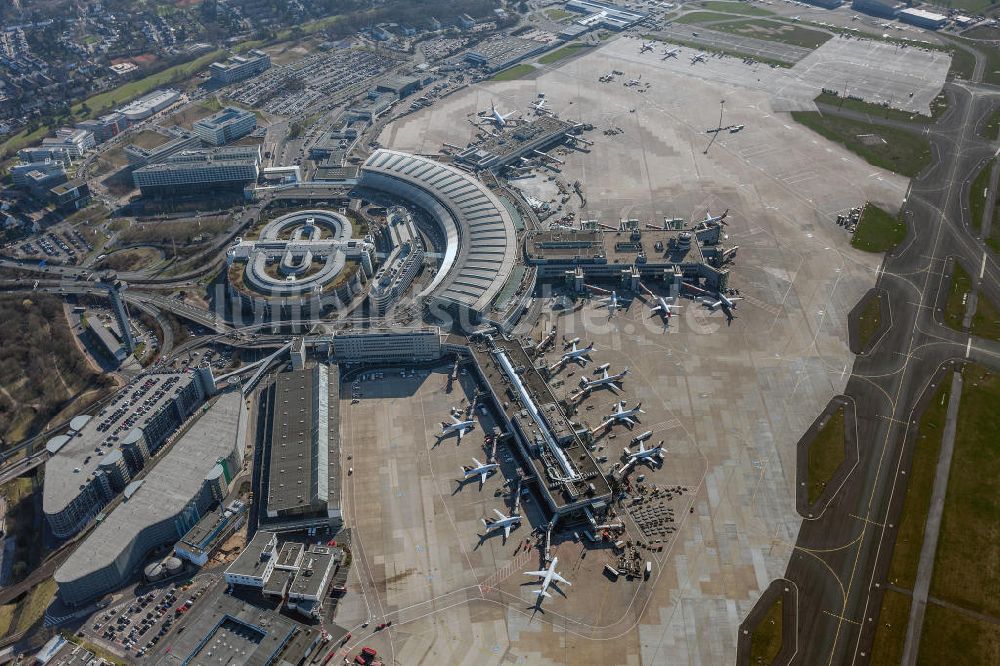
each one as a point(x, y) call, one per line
point(954, 308)
point(890, 148)
point(872, 109)
point(991, 130)
point(986, 320)
point(765, 640)
point(977, 195)
point(967, 561)
point(920, 482)
point(776, 31)
point(513, 73)
point(878, 230)
point(744, 8)
point(952, 636)
point(890, 634)
point(869, 320)
point(701, 17)
point(558, 14)
point(561, 54)
point(826, 454)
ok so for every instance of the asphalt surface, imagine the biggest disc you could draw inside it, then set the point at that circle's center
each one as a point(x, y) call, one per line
point(843, 551)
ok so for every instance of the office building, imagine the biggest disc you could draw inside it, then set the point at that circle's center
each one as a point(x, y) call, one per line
point(199, 171)
point(71, 195)
point(227, 125)
point(19, 172)
point(387, 345)
point(255, 564)
point(175, 140)
point(105, 127)
point(202, 540)
point(239, 67)
point(192, 477)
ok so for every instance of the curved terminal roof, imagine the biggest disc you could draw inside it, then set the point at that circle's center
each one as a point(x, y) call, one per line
point(481, 240)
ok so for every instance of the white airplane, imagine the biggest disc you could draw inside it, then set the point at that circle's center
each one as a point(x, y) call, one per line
point(643, 453)
point(478, 468)
point(548, 576)
point(502, 522)
point(717, 219)
point(611, 301)
point(540, 106)
point(458, 426)
point(727, 302)
point(609, 380)
point(495, 117)
point(625, 415)
point(698, 57)
point(670, 53)
point(663, 308)
point(579, 354)
point(646, 46)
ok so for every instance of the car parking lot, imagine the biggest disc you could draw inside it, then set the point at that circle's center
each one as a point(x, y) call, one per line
point(65, 245)
point(134, 626)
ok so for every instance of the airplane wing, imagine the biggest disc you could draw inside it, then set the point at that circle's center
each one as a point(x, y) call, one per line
point(461, 433)
point(477, 463)
point(559, 578)
point(506, 531)
point(536, 573)
point(542, 593)
point(482, 478)
point(613, 387)
point(497, 511)
point(628, 421)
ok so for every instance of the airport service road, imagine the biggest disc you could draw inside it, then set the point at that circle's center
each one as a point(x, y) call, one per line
point(842, 553)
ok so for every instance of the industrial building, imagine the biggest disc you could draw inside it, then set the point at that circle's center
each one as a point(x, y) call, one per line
point(226, 630)
point(475, 228)
point(303, 474)
point(565, 473)
point(387, 345)
point(239, 67)
point(157, 510)
point(502, 51)
point(188, 171)
point(628, 253)
point(150, 104)
point(605, 14)
point(227, 125)
point(202, 540)
point(97, 458)
point(296, 572)
point(881, 8)
point(511, 146)
point(922, 18)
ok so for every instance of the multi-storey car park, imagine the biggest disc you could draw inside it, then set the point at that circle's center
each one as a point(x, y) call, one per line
point(302, 263)
point(161, 507)
point(99, 456)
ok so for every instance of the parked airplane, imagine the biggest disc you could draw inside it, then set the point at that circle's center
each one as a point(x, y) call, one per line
point(670, 53)
point(458, 426)
point(715, 299)
point(720, 219)
point(699, 57)
point(502, 522)
point(646, 46)
point(663, 308)
point(549, 577)
point(611, 301)
point(735, 128)
point(609, 380)
point(540, 106)
point(495, 117)
point(579, 354)
point(478, 468)
point(626, 415)
point(644, 454)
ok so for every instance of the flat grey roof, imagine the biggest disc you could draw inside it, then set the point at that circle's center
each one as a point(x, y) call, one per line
point(166, 491)
point(481, 240)
point(316, 564)
point(249, 562)
point(62, 484)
